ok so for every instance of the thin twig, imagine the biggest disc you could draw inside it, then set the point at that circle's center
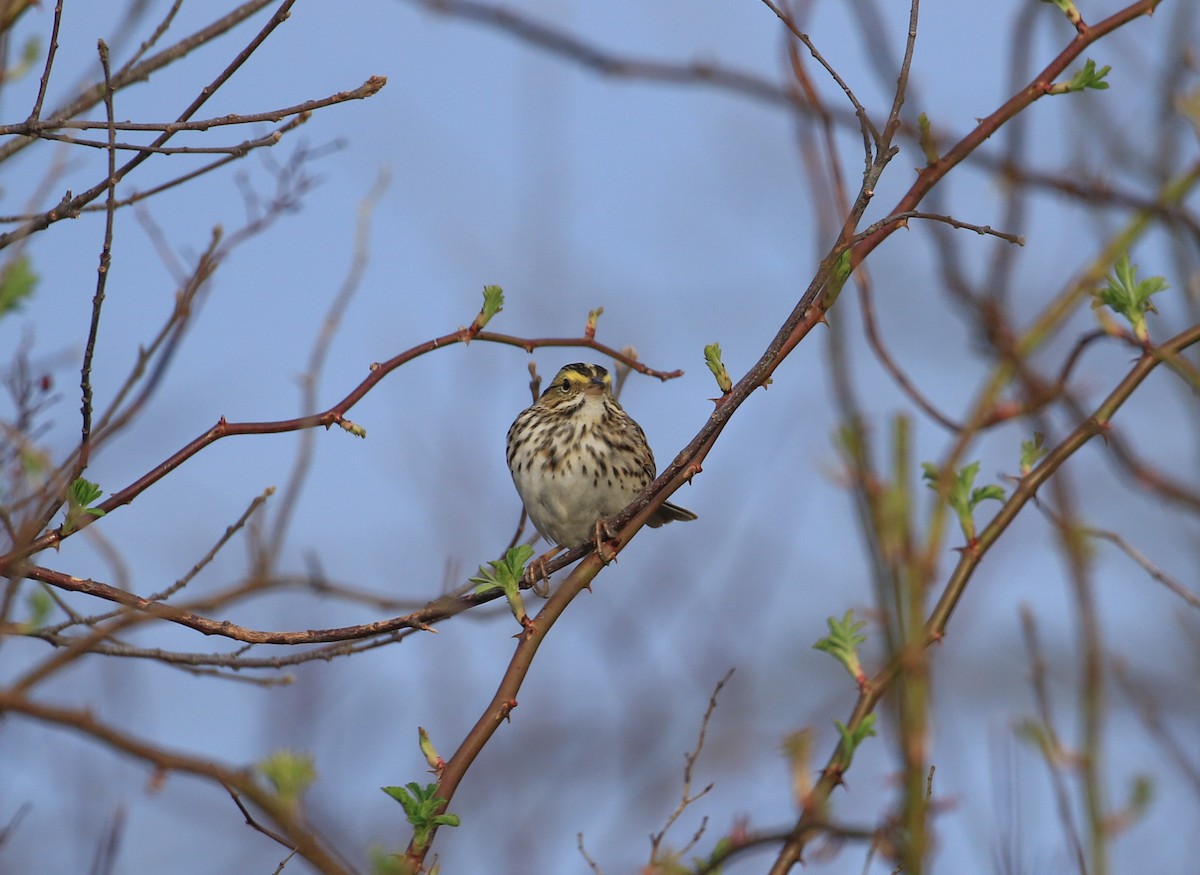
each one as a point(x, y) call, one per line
point(335, 415)
point(1052, 750)
point(51, 51)
point(685, 797)
point(46, 129)
point(299, 834)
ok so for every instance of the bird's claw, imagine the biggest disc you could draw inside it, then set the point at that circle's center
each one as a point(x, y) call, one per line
point(537, 575)
point(605, 535)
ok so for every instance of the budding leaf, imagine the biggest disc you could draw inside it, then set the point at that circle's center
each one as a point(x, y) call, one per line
point(837, 280)
point(925, 138)
point(421, 805)
point(589, 330)
point(17, 282)
point(289, 773)
point(852, 738)
point(1032, 451)
point(1129, 296)
point(493, 303)
point(842, 644)
point(505, 575)
point(436, 763)
point(962, 494)
point(79, 496)
point(1088, 77)
point(1068, 9)
point(712, 358)
point(40, 606)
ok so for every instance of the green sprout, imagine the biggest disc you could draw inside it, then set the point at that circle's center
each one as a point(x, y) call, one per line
point(353, 427)
point(842, 644)
point(1141, 794)
point(925, 139)
point(853, 737)
point(1088, 77)
point(712, 358)
point(421, 806)
point(1032, 451)
point(1130, 297)
point(290, 774)
point(79, 498)
point(31, 50)
point(436, 763)
point(493, 303)
point(1068, 9)
point(40, 606)
point(723, 848)
point(961, 496)
point(17, 282)
point(505, 575)
point(589, 330)
point(837, 279)
point(388, 863)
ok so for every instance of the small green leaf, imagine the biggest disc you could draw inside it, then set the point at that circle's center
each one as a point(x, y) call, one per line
point(493, 303)
point(80, 494)
point(985, 493)
point(1130, 297)
point(852, 738)
point(712, 358)
point(17, 282)
point(436, 763)
point(31, 52)
point(723, 847)
point(40, 606)
point(837, 280)
point(961, 497)
point(289, 773)
point(505, 575)
point(925, 139)
point(1032, 452)
point(84, 492)
point(842, 644)
point(1088, 77)
point(387, 863)
point(353, 427)
point(421, 806)
point(589, 330)
point(402, 794)
point(1068, 9)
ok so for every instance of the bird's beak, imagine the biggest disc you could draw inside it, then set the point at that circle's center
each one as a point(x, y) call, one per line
point(595, 387)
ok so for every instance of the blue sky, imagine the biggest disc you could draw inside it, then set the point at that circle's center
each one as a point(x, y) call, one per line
point(687, 214)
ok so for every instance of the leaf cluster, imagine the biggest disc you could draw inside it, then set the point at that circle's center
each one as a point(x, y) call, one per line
point(1130, 297)
point(422, 807)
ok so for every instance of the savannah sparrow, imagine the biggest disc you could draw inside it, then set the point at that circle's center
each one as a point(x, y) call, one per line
point(576, 458)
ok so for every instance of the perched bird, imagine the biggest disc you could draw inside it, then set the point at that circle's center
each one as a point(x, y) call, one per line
point(577, 458)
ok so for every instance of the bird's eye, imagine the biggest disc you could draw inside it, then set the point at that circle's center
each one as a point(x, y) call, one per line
point(566, 385)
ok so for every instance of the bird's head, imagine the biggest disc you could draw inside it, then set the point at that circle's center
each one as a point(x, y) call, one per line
point(575, 380)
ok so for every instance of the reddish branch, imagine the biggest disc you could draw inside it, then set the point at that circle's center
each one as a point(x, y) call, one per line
point(241, 783)
point(335, 415)
point(431, 613)
point(808, 312)
point(42, 127)
point(70, 207)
